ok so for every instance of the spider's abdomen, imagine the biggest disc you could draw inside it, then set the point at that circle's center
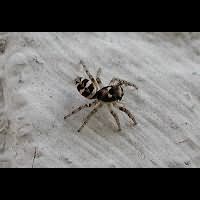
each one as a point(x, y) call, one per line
point(86, 88)
point(110, 94)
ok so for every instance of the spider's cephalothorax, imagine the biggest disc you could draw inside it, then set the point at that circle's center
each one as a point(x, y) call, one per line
point(111, 95)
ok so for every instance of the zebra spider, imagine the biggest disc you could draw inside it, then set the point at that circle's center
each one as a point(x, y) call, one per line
point(110, 95)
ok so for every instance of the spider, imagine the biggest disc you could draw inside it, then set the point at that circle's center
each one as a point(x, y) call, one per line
point(110, 95)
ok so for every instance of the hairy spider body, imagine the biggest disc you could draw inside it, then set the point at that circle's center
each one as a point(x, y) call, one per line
point(111, 95)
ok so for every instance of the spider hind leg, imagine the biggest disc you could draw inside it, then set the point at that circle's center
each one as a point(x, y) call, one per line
point(89, 74)
point(98, 79)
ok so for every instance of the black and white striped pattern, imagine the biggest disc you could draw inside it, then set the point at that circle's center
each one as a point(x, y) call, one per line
point(86, 88)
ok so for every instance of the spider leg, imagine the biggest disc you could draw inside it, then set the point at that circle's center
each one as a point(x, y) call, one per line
point(122, 83)
point(81, 108)
point(114, 114)
point(125, 110)
point(89, 116)
point(89, 74)
point(98, 78)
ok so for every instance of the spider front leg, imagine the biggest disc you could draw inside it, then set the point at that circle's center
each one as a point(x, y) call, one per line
point(81, 108)
point(125, 110)
point(117, 81)
point(89, 116)
point(114, 114)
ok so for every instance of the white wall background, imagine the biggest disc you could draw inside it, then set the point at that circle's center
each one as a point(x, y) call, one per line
point(36, 91)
